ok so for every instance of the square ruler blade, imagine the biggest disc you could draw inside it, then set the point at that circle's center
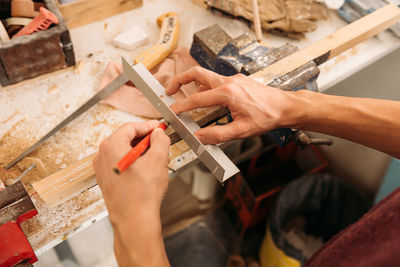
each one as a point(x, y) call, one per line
point(211, 155)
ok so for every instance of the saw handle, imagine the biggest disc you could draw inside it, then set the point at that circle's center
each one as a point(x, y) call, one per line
point(169, 23)
point(136, 151)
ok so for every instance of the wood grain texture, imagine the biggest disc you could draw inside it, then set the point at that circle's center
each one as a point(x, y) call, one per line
point(67, 183)
point(334, 44)
point(83, 12)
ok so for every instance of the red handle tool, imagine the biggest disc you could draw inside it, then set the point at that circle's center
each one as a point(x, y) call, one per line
point(135, 152)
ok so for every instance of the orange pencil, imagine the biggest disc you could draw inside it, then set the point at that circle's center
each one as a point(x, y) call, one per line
point(135, 152)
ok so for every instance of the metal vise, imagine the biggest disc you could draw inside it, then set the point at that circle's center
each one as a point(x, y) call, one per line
point(215, 50)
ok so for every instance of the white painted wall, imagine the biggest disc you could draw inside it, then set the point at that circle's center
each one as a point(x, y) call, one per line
point(357, 164)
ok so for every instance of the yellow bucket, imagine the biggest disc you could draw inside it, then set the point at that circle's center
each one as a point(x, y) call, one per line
point(272, 256)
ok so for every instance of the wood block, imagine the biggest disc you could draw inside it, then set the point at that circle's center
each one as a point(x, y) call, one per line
point(81, 12)
point(68, 182)
point(22, 8)
point(132, 38)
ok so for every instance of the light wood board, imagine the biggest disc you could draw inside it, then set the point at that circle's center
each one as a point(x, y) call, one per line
point(83, 12)
point(334, 44)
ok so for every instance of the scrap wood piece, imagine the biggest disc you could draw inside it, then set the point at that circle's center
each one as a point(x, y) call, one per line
point(68, 182)
point(79, 176)
point(78, 13)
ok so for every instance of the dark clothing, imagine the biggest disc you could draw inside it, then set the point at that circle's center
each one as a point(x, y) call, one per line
point(374, 240)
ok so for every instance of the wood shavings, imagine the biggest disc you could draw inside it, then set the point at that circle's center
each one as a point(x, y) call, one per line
point(79, 67)
point(78, 139)
point(9, 118)
point(52, 89)
point(59, 222)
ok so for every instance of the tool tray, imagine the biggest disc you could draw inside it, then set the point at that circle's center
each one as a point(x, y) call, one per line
point(42, 52)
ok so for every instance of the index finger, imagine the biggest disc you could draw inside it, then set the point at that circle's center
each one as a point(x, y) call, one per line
point(198, 74)
point(127, 132)
point(203, 99)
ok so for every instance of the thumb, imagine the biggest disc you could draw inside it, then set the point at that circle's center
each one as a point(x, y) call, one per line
point(159, 147)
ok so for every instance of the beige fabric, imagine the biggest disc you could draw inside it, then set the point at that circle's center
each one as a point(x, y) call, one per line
point(130, 99)
point(290, 17)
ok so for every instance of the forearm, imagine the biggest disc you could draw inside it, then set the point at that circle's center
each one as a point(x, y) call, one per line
point(372, 122)
point(139, 243)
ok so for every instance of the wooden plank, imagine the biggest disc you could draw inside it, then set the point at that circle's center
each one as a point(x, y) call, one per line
point(77, 177)
point(334, 44)
point(83, 12)
point(68, 182)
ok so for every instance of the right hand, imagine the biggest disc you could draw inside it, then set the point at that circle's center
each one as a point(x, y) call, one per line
point(255, 108)
point(137, 192)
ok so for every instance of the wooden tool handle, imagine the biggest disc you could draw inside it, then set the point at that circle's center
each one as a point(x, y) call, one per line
point(169, 23)
point(256, 21)
point(332, 45)
point(135, 152)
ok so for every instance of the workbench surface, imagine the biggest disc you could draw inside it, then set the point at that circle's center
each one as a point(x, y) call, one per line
point(30, 109)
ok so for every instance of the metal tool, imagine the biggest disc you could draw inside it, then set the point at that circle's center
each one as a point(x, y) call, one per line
point(15, 207)
point(211, 155)
point(303, 140)
point(114, 85)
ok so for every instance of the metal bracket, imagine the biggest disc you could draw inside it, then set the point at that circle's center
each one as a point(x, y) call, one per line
point(211, 155)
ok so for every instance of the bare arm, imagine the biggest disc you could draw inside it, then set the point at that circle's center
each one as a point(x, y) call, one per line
point(133, 199)
point(371, 122)
point(258, 109)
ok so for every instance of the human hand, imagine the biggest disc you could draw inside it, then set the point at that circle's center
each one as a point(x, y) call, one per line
point(255, 108)
point(136, 193)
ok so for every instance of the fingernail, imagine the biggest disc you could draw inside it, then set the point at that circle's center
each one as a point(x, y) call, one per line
point(157, 130)
point(153, 123)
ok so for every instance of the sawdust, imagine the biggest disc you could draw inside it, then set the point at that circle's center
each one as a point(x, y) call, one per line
point(77, 140)
point(52, 88)
point(97, 68)
point(11, 145)
point(177, 149)
point(79, 67)
point(61, 221)
point(354, 51)
point(10, 117)
point(342, 57)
